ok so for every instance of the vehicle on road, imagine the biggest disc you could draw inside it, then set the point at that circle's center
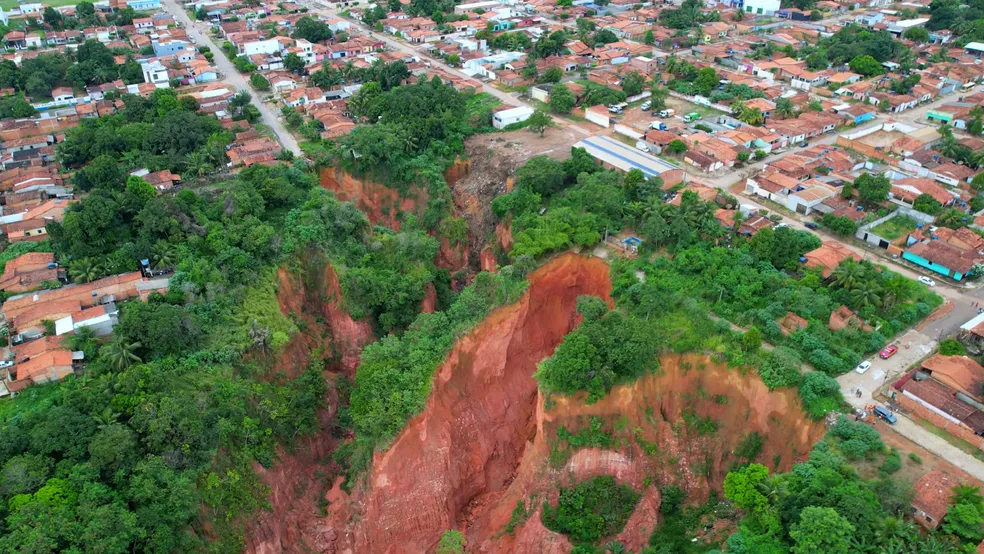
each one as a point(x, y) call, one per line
point(888, 352)
point(666, 113)
point(642, 145)
point(926, 281)
point(802, 144)
point(811, 225)
point(862, 367)
point(885, 414)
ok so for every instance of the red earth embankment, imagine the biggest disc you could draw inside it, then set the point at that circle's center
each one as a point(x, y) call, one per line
point(380, 203)
point(463, 450)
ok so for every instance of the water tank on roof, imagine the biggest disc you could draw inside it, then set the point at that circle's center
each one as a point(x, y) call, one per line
point(968, 400)
point(802, 259)
point(919, 225)
point(936, 237)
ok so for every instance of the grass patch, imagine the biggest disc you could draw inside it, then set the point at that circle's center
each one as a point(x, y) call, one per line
point(953, 440)
point(894, 228)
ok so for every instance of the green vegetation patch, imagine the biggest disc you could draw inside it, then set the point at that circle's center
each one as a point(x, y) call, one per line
point(894, 228)
point(591, 510)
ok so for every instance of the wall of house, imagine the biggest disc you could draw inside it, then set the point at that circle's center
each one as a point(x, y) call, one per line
point(956, 429)
point(936, 268)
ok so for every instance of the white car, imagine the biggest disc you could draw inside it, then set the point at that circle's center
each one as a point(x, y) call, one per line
point(926, 281)
point(645, 105)
point(862, 367)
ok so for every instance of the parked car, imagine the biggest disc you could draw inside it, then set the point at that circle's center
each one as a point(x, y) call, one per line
point(6, 363)
point(646, 105)
point(811, 225)
point(862, 367)
point(802, 144)
point(666, 113)
point(888, 351)
point(614, 109)
point(926, 281)
point(642, 145)
point(885, 414)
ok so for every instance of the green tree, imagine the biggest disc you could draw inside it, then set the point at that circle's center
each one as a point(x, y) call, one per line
point(538, 122)
point(293, 63)
point(742, 487)
point(452, 542)
point(785, 108)
point(312, 30)
point(259, 82)
point(648, 37)
point(658, 98)
point(926, 204)
point(866, 65)
point(873, 189)
point(964, 521)
point(633, 83)
point(120, 353)
point(676, 147)
point(821, 530)
point(917, 34)
point(561, 99)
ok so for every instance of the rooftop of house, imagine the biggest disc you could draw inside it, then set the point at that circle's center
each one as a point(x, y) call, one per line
point(932, 493)
point(829, 255)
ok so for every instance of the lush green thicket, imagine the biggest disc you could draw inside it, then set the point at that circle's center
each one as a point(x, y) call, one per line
point(161, 431)
point(92, 63)
point(160, 132)
point(591, 510)
point(822, 505)
point(607, 347)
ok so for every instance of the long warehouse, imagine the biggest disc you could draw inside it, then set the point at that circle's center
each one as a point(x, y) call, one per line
point(617, 155)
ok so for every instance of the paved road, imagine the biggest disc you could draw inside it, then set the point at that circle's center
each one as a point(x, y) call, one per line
point(885, 371)
point(233, 77)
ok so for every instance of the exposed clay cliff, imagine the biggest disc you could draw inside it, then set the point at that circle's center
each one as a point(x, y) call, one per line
point(462, 451)
point(486, 439)
point(381, 204)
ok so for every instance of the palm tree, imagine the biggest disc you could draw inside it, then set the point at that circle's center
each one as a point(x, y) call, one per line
point(785, 108)
point(867, 293)
point(197, 164)
point(752, 116)
point(121, 353)
point(85, 270)
point(737, 107)
point(164, 255)
point(847, 274)
point(967, 494)
point(773, 489)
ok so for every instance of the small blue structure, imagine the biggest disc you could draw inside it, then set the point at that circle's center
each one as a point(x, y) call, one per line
point(631, 244)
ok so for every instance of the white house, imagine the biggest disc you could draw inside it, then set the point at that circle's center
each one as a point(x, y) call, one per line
point(155, 72)
point(759, 7)
point(269, 46)
point(507, 117)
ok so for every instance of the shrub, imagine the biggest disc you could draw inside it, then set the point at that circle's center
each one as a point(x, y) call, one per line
point(859, 439)
point(952, 347)
point(591, 510)
point(892, 462)
point(821, 394)
point(915, 458)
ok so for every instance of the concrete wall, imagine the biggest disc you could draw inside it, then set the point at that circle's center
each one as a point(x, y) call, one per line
point(956, 429)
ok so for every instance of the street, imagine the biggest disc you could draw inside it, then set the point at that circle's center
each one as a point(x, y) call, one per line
point(233, 77)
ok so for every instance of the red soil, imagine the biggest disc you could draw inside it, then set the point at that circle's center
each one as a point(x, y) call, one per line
point(379, 202)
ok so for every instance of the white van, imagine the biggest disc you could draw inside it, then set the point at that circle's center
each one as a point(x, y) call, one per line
point(642, 145)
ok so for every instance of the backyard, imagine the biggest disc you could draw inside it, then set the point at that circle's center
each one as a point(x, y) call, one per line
point(894, 228)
